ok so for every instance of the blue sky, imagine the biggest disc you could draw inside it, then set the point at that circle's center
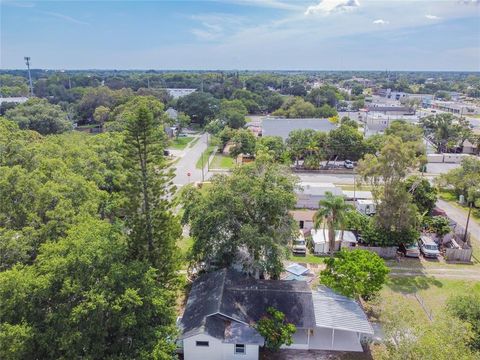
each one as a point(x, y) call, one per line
point(242, 34)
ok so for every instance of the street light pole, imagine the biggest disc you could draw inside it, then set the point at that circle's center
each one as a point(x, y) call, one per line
point(27, 61)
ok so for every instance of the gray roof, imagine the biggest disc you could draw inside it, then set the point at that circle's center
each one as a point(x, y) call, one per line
point(283, 127)
point(238, 333)
point(335, 311)
point(228, 296)
point(318, 189)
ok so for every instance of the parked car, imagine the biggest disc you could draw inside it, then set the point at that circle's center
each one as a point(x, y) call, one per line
point(299, 244)
point(436, 211)
point(410, 250)
point(348, 164)
point(428, 247)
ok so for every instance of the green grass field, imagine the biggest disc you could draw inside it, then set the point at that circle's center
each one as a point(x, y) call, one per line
point(434, 292)
point(357, 187)
point(222, 162)
point(308, 259)
point(205, 155)
point(181, 142)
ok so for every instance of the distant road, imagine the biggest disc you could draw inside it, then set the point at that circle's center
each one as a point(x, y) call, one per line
point(187, 164)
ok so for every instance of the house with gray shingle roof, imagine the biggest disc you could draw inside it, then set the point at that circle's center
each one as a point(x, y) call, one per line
point(223, 307)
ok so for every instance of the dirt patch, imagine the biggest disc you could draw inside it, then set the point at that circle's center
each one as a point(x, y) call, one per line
point(289, 354)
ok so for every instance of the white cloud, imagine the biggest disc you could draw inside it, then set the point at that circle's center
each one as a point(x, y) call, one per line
point(65, 17)
point(329, 6)
point(432, 17)
point(215, 25)
point(381, 22)
point(274, 4)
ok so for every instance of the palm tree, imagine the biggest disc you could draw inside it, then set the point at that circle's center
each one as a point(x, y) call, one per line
point(331, 213)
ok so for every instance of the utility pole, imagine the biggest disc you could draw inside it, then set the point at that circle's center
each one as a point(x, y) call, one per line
point(203, 166)
point(468, 220)
point(27, 61)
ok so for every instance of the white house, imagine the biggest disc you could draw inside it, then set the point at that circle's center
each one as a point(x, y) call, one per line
point(321, 244)
point(178, 93)
point(13, 100)
point(223, 307)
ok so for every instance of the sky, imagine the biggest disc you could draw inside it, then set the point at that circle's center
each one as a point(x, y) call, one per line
point(242, 34)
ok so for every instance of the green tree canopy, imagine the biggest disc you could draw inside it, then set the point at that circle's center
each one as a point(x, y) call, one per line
point(465, 180)
point(200, 106)
point(153, 228)
point(243, 218)
point(424, 195)
point(275, 329)
point(355, 273)
point(345, 142)
point(232, 113)
point(83, 298)
point(467, 308)
point(296, 107)
point(41, 116)
point(243, 143)
point(446, 131)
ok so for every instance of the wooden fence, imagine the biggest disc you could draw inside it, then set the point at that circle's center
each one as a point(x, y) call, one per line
point(458, 255)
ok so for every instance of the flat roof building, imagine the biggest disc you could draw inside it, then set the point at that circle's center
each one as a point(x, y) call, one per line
point(283, 127)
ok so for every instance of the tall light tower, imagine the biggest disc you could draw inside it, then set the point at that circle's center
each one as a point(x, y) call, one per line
point(27, 61)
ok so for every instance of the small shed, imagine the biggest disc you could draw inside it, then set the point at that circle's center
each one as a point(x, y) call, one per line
point(321, 244)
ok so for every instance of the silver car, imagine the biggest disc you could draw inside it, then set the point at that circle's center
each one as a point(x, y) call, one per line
point(428, 247)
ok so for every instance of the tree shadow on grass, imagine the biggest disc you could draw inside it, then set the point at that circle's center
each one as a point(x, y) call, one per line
point(412, 284)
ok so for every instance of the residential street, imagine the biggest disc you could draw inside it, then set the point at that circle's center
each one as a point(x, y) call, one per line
point(187, 164)
point(460, 216)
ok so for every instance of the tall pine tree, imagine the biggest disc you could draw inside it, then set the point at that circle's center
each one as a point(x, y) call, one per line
point(153, 228)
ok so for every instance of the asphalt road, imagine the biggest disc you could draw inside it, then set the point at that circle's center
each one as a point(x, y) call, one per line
point(187, 164)
point(460, 217)
point(344, 179)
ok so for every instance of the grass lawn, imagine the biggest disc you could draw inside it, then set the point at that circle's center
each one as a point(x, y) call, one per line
point(181, 142)
point(357, 187)
point(185, 243)
point(222, 162)
point(434, 292)
point(308, 259)
point(205, 155)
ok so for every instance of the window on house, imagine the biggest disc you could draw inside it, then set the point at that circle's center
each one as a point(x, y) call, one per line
point(202, 343)
point(239, 348)
point(302, 224)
